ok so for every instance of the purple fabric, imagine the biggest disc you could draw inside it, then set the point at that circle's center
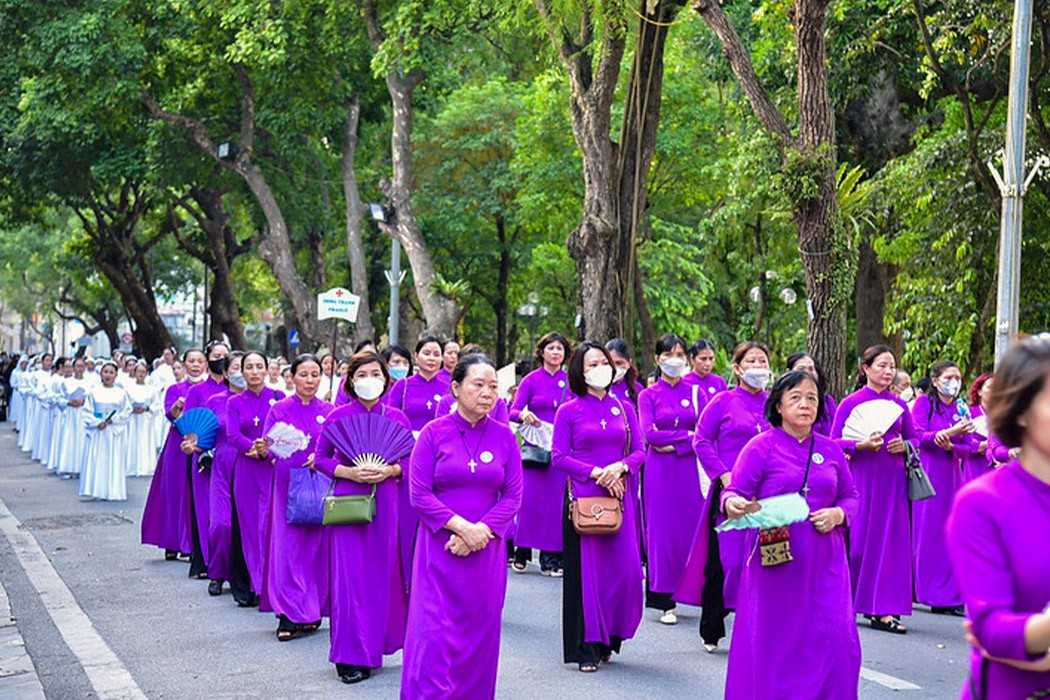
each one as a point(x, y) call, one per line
point(590, 432)
point(880, 547)
point(976, 462)
point(453, 635)
point(306, 492)
point(417, 398)
point(823, 426)
point(795, 634)
point(198, 395)
point(539, 522)
point(934, 582)
point(252, 478)
point(295, 579)
point(670, 480)
point(166, 516)
point(710, 385)
point(728, 421)
point(999, 452)
point(997, 542)
point(366, 589)
point(499, 413)
point(620, 391)
point(220, 503)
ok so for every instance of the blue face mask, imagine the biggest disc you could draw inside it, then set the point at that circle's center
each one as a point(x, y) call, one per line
point(398, 373)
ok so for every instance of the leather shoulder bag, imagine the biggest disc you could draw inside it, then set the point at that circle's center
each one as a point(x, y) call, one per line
point(600, 515)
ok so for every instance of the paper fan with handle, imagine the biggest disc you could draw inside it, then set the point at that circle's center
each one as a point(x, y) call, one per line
point(201, 422)
point(368, 438)
point(541, 435)
point(871, 417)
point(284, 440)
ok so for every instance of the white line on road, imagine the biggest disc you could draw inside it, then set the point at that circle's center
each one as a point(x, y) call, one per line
point(108, 676)
point(888, 681)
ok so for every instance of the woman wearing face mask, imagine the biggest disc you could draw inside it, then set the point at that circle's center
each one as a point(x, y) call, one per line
point(142, 450)
point(106, 413)
point(702, 374)
point(880, 548)
point(539, 395)
point(252, 479)
point(979, 460)
point(466, 488)
point(366, 590)
point(726, 424)
point(398, 362)
point(74, 435)
point(668, 412)
point(795, 633)
point(220, 493)
point(296, 564)
point(997, 537)
point(902, 387)
point(416, 396)
point(943, 423)
point(166, 517)
point(598, 445)
point(217, 353)
point(803, 362)
point(625, 378)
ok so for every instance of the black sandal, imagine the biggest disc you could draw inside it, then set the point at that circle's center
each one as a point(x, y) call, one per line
point(588, 667)
point(893, 626)
point(288, 635)
point(170, 555)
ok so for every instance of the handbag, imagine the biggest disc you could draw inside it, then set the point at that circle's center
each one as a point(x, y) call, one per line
point(533, 457)
point(919, 486)
point(356, 509)
point(599, 515)
point(774, 543)
point(306, 494)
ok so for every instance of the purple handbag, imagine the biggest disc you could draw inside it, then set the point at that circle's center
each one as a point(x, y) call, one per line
point(306, 492)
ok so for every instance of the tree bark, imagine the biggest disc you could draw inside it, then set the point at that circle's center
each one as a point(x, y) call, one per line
point(874, 282)
point(355, 244)
point(501, 305)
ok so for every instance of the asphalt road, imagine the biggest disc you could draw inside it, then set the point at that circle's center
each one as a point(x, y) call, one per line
point(177, 642)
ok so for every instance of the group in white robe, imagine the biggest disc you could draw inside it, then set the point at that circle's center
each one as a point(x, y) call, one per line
point(106, 415)
point(141, 430)
point(71, 436)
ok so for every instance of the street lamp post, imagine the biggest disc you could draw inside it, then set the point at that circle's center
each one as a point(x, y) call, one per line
point(394, 276)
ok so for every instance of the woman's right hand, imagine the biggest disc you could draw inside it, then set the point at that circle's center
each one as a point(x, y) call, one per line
point(189, 444)
point(176, 408)
point(738, 507)
point(873, 443)
point(1040, 665)
point(475, 535)
point(528, 417)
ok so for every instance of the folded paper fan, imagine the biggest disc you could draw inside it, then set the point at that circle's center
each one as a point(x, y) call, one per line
point(541, 435)
point(776, 511)
point(78, 394)
point(368, 438)
point(201, 422)
point(284, 440)
point(871, 417)
point(980, 425)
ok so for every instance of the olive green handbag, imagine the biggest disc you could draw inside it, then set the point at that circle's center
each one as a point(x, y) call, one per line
point(349, 510)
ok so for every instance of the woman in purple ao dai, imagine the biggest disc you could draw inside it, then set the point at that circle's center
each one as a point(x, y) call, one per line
point(804, 362)
point(667, 412)
point(997, 537)
point(252, 478)
point(979, 462)
point(943, 424)
point(795, 634)
point(295, 574)
point(466, 488)
point(539, 395)
point(366, 593)
point(728, 421)
point(598, 446)
point(880, 545)
point(702, 371)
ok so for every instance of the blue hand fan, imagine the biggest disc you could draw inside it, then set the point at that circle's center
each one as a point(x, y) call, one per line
point(200, 422)
point(369, 438)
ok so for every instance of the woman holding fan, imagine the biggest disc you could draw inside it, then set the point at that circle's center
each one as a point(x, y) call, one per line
point(466, 488)
point(366, 589)
point(295, 583)
point(880, 547)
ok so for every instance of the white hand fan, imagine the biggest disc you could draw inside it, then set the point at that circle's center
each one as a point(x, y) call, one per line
point(541, 435)
point(284, 440)
point(980, 425)
point(871, 417)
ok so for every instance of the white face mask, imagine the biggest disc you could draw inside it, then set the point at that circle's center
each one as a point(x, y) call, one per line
point(756, 377)
point(237, 380)
point(908, 394)
point(621, 372)
point(950, 389)
point(368, 388)
point(599, 377)
point(673, 367)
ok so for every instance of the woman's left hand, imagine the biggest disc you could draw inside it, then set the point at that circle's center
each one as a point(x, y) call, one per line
point(611, 474)
point(1040, 665)
point(895, 446)
point(827, 519)
point(457, 546)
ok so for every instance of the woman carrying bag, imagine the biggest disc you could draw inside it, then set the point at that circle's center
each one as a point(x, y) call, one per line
point(598, 446)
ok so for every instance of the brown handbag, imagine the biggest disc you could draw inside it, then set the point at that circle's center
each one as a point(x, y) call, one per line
point(596, 515)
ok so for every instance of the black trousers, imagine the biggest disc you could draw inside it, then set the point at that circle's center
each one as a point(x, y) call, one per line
point(712, 598)
point(240, 580)
point(198, 565)
point(575, 649)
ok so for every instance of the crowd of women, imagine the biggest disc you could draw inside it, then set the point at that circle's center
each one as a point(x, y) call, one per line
point(795, 509)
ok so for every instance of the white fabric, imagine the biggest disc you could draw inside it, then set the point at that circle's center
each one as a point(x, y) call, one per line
point(44, 418)
point(73, 433)
point(141, 431)
point(14, 411)
point(105, 455)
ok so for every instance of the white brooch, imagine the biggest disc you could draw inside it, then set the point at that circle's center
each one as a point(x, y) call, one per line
point(710, 390)
point(486, 457)
point(320, 419)
point(818, 458)
point(561, 383)
point(615, 411)
point(685, 403)
point(437, 397)
point(273, 401)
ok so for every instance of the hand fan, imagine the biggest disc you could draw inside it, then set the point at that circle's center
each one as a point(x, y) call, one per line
point(541, 435)
point(962, 411)
point(200, 422)
point(776, 511)
point(369, 439)
point(284, 440)
point(78, 394)
point(871, 417)
point(980, 425)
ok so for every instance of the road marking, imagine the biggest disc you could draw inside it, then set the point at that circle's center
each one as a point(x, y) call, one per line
point(888, 681)
point(108, 676)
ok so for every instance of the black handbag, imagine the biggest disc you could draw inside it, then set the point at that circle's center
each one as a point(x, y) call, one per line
point(533, 457)
point(919, 485)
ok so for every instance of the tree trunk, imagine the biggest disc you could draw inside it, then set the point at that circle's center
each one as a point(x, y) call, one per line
point(645, 321)
point(355, 245)
point(874, 282)
point(222, 302)
point(500, 307)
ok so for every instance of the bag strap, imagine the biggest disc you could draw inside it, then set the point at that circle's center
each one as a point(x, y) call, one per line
point(809, 461)
point(331, 489)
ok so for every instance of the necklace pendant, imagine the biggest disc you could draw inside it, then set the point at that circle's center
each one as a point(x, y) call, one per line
point(473, 466)
point(602, 423)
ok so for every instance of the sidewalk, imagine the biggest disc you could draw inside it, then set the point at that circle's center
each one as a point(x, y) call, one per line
point(18, 679)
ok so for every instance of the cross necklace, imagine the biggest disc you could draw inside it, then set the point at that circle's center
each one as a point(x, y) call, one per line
point(473, 454)
point(255, 421)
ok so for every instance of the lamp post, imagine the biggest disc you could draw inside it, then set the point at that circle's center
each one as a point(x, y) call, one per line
point(394, 276)
point(531, 311)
